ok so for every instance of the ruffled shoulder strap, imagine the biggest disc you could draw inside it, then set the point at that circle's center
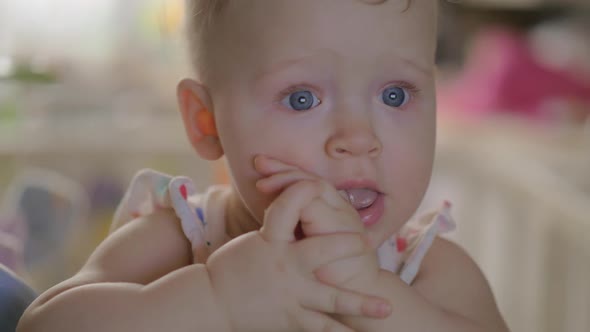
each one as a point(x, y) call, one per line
point(403, 253)
point(151, 190)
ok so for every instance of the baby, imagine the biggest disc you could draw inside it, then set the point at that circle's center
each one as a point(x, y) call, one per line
point(325, 113)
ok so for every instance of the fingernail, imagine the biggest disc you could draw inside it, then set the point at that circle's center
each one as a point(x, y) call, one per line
point(261, 164)
point(377, 309)
point(257, 160)
point(383, 309)
point(344, 194)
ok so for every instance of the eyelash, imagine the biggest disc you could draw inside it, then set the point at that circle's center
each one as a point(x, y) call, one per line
point(412, 90)
point(295, 88)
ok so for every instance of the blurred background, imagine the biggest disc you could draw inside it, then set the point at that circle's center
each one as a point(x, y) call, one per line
point(87, 98)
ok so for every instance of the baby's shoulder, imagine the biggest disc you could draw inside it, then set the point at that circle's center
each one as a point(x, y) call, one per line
point(198, 213)
point(451, 279)
point(142, 250)
point(445, 262)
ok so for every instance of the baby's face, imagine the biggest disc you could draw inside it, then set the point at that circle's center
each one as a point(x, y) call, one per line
point(340, 88)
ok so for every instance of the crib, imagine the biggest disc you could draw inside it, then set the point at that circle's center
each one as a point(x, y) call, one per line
point(522, 204)
point(521, 200)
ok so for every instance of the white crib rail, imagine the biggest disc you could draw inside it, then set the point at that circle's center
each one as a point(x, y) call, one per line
point(523, 210)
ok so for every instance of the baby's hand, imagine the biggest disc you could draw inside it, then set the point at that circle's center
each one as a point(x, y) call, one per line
point(329, 213)
point(265, 279)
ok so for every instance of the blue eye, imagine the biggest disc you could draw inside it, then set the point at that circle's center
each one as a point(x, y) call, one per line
point(395, 96)
point(302, 100)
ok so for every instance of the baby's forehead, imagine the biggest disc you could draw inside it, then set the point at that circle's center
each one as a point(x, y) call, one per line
point(260, 33)
point(209, 10)
point(375, 18)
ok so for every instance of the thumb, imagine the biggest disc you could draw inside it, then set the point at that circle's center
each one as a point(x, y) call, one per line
point(320, 218)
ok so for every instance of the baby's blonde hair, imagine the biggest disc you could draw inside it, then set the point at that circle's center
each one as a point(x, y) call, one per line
point(201, 14)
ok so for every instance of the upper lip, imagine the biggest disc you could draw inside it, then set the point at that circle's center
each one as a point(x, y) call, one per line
point(358, 184)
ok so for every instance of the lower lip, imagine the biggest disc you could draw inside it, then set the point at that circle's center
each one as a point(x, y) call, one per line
point(371, 215)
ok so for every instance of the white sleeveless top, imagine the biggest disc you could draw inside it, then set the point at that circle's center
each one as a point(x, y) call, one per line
point(202, 217)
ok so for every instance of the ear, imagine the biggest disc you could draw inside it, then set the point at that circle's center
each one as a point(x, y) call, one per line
point(197, 114)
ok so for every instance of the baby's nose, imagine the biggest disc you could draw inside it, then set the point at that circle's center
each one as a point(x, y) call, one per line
point(353, 144)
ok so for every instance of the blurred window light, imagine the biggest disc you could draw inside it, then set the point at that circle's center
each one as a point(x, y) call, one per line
point(55, 27)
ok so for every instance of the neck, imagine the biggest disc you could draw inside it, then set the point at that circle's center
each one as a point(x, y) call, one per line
point(238, 219)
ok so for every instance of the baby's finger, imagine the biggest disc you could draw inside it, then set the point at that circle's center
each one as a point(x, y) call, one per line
point(280, 175)
point(321, 218)
point(280, 181)
point(332, 300)
point(267, 166)
point(314, 252)
point(343, 271)
point(283, 214)
point(313, 321)
point(336, 198)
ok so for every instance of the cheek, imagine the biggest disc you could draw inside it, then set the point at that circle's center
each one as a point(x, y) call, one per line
point(276, 135)
point(407, 168)
point(413, 164)
point(412, 178)
point(241, 143)
point(409, 178)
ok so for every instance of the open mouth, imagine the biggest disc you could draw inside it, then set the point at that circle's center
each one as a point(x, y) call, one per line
point(369, 204)
point(360, 198)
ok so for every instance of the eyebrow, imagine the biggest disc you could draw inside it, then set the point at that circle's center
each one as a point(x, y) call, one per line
point(424, 70)
point(420, 67)
point(286, 64)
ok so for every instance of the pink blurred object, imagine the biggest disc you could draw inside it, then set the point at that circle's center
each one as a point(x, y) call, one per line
point(503, 76)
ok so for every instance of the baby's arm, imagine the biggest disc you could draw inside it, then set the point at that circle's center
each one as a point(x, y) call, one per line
point(140, 279)
point(128, 284)
point(452, 281)
point(450, 294)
